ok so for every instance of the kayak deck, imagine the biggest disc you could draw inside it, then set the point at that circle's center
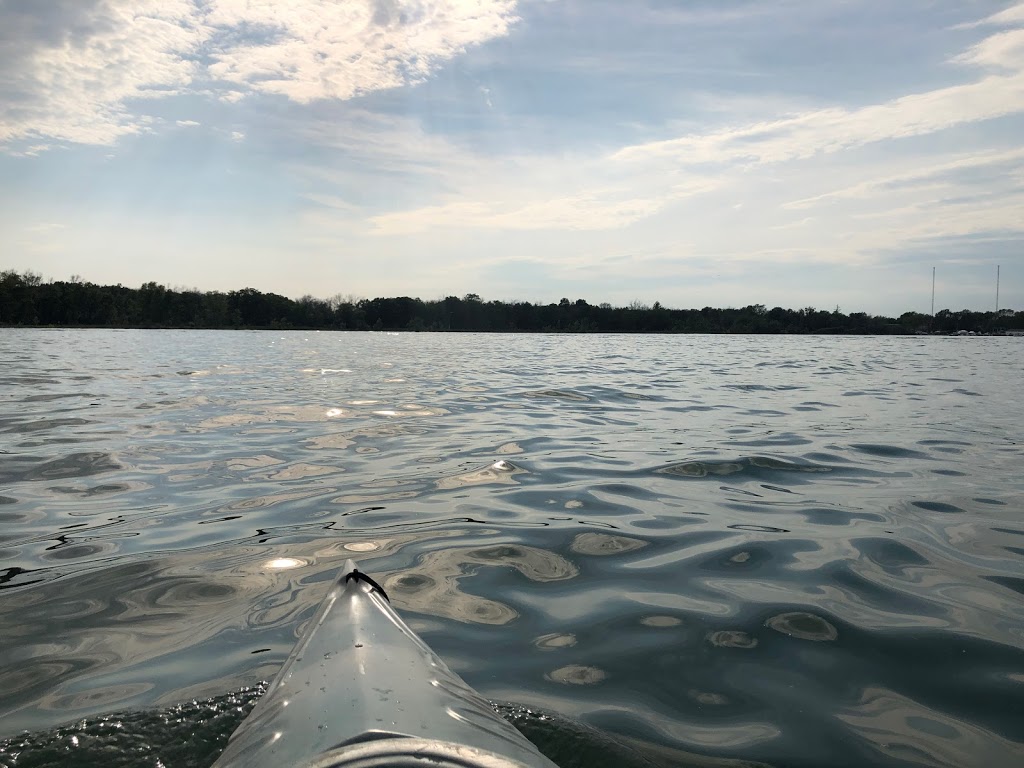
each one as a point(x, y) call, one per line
point(361, 689)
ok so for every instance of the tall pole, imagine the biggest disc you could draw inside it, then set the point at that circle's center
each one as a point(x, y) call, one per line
point(997, 288)
point(933, 291)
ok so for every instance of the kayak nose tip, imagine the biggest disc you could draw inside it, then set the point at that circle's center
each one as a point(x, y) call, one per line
point(352, 574)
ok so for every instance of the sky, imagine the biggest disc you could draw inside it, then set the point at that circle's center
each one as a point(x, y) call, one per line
point(825, 153)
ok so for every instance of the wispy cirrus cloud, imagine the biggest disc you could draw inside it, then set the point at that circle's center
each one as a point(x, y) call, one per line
point(585, 211)
point(1010, 16)
point(830, 130)
point(943, 175)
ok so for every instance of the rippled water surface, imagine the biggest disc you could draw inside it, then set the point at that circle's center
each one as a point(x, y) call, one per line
point(696, 550)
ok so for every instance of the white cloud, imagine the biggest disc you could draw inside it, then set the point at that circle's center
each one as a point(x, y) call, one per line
point(919, 178)
point(47, 226)
point(187, 123)
point(589, 210)
point(1002, 51)
point(936, 220)
point(76, 80)
point(335, 203)
point(74, 84)
point(1008, 17)
point(829, 130)
point(690, 186)
point(582, 212)
point(385, 144)
point(31, 150)
point(637, 182)
point(325, 49)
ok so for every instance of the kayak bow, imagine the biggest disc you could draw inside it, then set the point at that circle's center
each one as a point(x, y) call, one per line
point(362, 690)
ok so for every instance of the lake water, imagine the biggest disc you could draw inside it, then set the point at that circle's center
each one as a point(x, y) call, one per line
point(651, 550)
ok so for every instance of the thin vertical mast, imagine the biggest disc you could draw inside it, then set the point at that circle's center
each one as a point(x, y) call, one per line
point(933, 292)
point(997, 288)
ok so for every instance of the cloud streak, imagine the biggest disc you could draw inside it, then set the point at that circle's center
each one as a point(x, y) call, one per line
point(587, 210)
point(826, 131)
point(930, 177)
point(1012, 16)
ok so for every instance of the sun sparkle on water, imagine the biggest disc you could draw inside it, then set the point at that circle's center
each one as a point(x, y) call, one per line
point(284, 563)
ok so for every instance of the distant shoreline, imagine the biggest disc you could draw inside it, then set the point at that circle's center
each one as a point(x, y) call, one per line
point(27, 301)
point(294, 329)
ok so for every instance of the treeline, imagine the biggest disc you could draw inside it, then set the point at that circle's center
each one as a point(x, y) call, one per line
point(27, 300)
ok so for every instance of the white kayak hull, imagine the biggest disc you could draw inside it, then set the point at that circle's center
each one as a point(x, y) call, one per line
point(362, 690)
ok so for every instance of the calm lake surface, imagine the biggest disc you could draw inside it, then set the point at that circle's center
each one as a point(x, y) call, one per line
point(652, 550)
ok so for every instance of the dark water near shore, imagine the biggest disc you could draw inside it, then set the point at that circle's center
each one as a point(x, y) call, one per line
point(790, 551)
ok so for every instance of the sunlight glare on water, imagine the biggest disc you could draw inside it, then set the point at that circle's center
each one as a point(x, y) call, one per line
point(284, 563)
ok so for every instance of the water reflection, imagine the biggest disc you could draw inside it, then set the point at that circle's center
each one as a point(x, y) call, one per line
point(604, 544)
point(302, 471)
point(577, 674)
point(284, 563)
point(804, 626)
point(498, 473)
point(72, 465)
point(732, 638)
point(555, 641)
point(432, 586)
point(902, 729)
